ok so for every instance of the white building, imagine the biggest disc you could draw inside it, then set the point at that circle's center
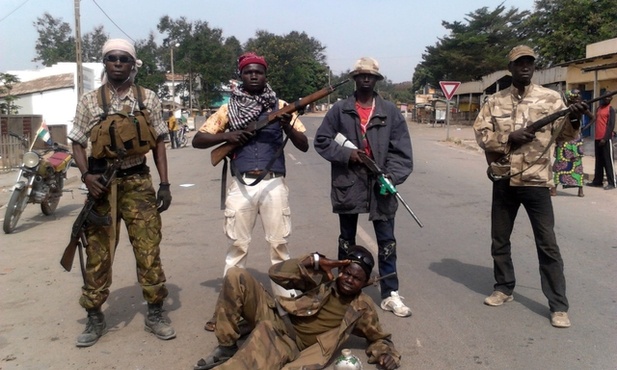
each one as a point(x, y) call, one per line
point(52, 91)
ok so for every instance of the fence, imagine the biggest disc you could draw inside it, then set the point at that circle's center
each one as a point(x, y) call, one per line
point(11, 153)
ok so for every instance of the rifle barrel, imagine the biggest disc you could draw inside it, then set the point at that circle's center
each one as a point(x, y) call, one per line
point(400, 198)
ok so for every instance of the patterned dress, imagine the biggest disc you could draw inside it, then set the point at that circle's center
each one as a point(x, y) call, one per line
point(568, 165)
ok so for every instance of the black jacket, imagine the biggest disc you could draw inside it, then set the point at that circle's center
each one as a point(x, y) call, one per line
point(354, 189)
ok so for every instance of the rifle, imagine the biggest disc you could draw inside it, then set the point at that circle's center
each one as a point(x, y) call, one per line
point(87, 215)
point(385, 185)
point(218, 153)
point(503, 159)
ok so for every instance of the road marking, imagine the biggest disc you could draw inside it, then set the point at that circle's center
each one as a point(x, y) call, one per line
point(369, 242)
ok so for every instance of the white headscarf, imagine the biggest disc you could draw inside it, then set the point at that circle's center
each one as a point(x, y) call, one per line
point(121, 45)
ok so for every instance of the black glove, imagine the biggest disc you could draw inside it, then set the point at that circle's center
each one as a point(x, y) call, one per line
point(163, 197)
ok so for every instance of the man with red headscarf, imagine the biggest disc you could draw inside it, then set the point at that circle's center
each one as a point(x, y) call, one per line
point(259, 156)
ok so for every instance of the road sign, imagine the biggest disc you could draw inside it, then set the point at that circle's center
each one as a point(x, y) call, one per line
point(449, 88)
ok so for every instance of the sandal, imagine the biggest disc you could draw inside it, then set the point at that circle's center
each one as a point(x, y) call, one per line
point(210, 325)
point(216, 358)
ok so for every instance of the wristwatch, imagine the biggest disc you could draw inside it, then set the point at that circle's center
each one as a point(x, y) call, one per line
point(316, 261)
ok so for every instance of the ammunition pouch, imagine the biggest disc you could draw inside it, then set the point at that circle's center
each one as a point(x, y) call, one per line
point(122, 130)
point(498, 170)
point(129, 129)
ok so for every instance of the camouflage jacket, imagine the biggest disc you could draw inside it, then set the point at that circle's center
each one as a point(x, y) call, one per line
point(506, 111)
point(360, 319)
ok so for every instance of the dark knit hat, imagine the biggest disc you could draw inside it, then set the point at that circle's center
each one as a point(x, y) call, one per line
point(360, 255)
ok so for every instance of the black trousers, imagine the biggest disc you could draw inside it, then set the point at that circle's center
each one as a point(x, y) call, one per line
point(537, 202)
point(386, 256)
point(604, 162)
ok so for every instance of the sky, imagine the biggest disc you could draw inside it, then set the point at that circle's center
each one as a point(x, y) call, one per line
point(394, 32)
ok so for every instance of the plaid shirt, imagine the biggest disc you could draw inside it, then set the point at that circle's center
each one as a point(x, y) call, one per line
point(88, 114)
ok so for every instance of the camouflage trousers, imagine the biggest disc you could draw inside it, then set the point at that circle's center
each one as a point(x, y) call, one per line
point(268, 346)
point(136, 205)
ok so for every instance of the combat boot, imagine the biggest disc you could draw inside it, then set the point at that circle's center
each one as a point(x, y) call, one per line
point(95, 328)
point(157, 324)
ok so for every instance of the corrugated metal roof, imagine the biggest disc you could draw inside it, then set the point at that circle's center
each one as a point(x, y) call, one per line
point(42, 84)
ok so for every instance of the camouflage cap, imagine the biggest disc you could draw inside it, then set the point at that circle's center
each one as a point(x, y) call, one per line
point(521, 51)
point(366, 65)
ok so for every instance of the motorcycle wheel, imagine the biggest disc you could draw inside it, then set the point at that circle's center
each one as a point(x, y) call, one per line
point(16, 206)
point(183, 141)
point(48, 206)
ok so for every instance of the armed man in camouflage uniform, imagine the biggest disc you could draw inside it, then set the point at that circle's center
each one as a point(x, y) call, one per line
point(527, 178)
point(300, 332)
point(131, 197)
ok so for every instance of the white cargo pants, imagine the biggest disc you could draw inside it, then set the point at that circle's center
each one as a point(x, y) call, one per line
point(269, 200)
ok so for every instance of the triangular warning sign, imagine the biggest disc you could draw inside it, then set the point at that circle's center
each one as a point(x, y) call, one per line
point(449, 88)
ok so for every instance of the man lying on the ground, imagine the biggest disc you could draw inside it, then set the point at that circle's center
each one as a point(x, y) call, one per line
point(302, 331)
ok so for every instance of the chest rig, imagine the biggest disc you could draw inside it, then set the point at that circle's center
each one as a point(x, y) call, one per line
point(129, 129)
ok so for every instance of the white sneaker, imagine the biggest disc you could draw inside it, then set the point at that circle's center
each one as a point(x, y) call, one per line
point(395, 304)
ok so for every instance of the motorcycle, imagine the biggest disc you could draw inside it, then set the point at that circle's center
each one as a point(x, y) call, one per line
point(40, 181)
point(182, 139)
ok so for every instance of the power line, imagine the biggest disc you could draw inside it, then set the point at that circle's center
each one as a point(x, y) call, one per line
point(111, 20)
point(14, 10)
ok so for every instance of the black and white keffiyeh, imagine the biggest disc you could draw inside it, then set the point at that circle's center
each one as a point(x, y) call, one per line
point(245, 108)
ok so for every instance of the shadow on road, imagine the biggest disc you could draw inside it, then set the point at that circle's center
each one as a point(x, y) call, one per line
point(478, 279)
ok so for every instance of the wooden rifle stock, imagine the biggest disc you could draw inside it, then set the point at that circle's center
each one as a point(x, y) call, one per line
point(218, 153)
point(492, 157)
point(79, 225)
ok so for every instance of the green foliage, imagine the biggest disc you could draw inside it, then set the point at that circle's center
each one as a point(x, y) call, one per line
point(92, 45)
point(149, 75)
point(7, 106)
point(561, 29)
point(204, 56)
point(55, 43)
point(472, 49)
point(296, 63)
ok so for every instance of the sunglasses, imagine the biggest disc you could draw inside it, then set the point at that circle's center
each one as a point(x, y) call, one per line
point(115, 58)
point(357, 257)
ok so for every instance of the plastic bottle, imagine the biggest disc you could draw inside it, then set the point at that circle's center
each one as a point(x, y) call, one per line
point(347, 361)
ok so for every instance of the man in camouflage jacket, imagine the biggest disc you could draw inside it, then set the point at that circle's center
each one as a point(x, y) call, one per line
point(500, 129)
point(300, 332)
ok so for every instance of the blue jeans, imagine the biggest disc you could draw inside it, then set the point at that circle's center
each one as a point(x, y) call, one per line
point(537, 202)
point(384, 233)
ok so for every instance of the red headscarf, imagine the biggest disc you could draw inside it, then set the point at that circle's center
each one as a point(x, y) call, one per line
point(251, 58)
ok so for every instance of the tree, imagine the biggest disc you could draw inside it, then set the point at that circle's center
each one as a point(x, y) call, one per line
point(204, 56)
point(472, 49)
point(296, 63)
point(92, 45)
point(7, 81)
point(150, 75)
point(55, 43)
point(560, 30)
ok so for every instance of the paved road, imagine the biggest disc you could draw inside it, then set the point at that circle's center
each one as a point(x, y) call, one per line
point(445, 272)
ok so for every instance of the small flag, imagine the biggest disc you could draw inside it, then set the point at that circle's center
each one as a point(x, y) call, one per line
point(43, 134)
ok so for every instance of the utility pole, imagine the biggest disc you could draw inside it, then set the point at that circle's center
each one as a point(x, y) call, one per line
point(80, 69)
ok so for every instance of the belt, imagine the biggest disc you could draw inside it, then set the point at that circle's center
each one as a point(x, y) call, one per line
point(257, 174)
point(140, 169)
